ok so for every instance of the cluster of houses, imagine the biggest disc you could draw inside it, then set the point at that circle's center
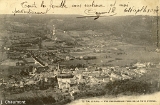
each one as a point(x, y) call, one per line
point(67, 80)
point(71, 78)
point(93, 74)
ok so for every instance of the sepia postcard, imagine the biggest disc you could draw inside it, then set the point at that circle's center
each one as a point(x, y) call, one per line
point(79, 52)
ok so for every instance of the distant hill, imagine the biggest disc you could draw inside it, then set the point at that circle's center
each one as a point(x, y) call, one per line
point(132, 29)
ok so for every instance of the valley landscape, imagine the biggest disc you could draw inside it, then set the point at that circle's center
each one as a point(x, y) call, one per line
point(55, 59)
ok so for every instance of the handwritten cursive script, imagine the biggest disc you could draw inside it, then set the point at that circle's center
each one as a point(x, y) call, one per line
point(29, 11)
point(94, 13)
point(28, 8)
point(52, 6)
point(91, 9)
point(27, 5)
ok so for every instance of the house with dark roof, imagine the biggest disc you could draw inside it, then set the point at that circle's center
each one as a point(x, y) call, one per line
point(42, 69)
point(29, 60)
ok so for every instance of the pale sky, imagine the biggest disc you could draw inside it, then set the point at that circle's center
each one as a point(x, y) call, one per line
point(9, 6)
